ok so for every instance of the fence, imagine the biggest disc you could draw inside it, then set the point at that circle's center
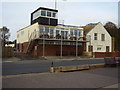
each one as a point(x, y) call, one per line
point(7, 52)
point(106, 54)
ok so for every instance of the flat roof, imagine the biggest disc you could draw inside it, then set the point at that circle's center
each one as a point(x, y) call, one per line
point(58, 26)
point(43, 8)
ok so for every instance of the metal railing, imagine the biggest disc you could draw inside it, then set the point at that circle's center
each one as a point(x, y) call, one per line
point(33, 36)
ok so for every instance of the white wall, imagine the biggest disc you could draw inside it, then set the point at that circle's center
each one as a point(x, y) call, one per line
point(25, 33)
point(24, 37)
point(99, 29)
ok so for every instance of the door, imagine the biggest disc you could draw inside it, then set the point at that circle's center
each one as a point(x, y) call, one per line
point(90, 48)
point(107, 48)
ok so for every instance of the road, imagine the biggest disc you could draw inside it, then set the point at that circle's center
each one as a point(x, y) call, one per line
point(93, 78)
point(40, 66)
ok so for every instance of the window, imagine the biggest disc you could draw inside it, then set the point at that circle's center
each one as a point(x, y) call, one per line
point(54, 15)
point(66, 33)
point(98, 48)
point(36, 14)
point(90, 48)
point(95, 36)
point(75, 33)
point(41, 29)
point(48, 14)
point(57, 32)
point(43, 13)
point(47, 30)
point(79, 33)
point(107, 48)
point(62, 33)
point(71, 32)
point(51, 31)
point(102, 37)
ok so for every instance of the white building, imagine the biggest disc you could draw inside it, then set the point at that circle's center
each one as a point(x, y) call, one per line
point(99, 40)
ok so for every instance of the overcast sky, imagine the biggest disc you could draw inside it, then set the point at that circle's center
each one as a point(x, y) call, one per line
point(16, 15)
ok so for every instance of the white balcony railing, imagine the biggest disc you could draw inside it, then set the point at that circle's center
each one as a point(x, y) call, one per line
point(37, 34)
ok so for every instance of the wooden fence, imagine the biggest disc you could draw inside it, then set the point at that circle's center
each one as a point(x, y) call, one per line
point(106, 54)
point(7, 52)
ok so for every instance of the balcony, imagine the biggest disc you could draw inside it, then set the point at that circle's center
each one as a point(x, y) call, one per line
point(47, 36)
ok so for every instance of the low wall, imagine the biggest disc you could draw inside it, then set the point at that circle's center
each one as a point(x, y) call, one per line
point(75, 68)
point(106, 54)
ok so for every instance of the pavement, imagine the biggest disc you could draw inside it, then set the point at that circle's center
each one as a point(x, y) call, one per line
point(113, 86)
point(94, 78)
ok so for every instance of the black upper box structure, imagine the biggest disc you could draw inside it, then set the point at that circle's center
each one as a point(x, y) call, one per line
point(45, 16)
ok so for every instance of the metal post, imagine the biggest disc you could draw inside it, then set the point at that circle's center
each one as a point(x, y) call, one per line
point(55, 4)
point(43, 44)
point(61, 45)
point(76, 48)
point(76, 45)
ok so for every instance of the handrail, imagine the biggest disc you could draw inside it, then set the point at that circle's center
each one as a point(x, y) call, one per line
point(32, 36)
point(37, 34)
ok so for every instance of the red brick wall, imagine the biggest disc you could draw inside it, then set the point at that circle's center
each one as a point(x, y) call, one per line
point(53, 50)
point(23, 47)
point(106, 54)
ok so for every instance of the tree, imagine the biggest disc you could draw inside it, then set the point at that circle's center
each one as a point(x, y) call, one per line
point(113, 31)
point(4, 35)
point(111, 28)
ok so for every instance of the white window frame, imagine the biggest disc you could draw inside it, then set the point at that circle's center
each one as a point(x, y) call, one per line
point(47, 13)
point(96, 36)
point(102, 39)
point(41, 13)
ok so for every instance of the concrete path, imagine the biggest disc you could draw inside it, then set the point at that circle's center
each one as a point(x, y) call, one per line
point(94, 78)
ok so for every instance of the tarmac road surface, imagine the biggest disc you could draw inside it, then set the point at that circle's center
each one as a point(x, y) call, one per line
point(38, 66)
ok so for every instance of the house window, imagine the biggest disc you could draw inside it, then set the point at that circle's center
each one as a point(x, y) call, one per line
point(102, 37)
point(99, 48)
point(57, 32)
point(46, 30)
point(41, 29)
point(90, 48)
point(75, 33)
point(62, 33)
point(51, 32)
point(66, 33)
point(43, 13)
point(107, 48)
point(36, 15)
point(54, 15)
point(79, 33)
point(48, 14)
point(95, 36)
point(71, 32)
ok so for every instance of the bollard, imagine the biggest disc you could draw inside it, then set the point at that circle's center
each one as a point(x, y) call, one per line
point(52, 68)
